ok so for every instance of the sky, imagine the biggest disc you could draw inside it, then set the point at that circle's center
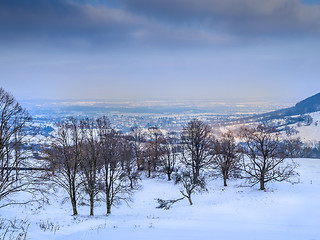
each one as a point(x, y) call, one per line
point(227, 50)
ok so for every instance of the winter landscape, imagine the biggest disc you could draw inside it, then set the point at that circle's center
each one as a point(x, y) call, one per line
point(159, 119)
point(243, 178)
point(284, 211)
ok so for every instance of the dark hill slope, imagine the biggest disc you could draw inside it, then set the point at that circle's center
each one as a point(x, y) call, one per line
point(308, 105)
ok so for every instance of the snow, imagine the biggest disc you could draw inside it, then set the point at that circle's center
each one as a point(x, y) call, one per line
point(309, 133)
point(284, 211)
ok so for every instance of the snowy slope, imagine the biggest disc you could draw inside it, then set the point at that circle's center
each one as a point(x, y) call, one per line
point(309, 133)
point(284, 211)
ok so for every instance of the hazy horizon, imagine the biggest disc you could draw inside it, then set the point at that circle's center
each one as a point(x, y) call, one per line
point(153, 102)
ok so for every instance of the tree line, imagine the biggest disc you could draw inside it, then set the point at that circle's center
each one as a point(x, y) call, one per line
point(87, 157)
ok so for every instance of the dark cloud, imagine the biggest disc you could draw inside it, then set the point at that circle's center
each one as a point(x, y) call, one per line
point(103, 24)
point(143, 23)
point(255, 17)
point(68, 21)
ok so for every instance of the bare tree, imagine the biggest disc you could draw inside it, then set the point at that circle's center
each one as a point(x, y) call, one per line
point(156, 138)
point(64, 159)
point(116, 187)
point(148, 157)
point(128, 161)
point(186, 180)
point(226, 155)
point(197, 146)
point(290, 131)
point(190, 186)
point(265, 157)
point(14, 121)
point(138, 140)
point(169, 156)
point(91, 161)
point(293, 147)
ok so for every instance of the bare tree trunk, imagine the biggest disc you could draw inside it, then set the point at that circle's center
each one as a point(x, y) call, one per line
point(107, 191)
point(108, 206)
point(196, 174)
point(131, 183)
point(74, 205)
point(149, 169)
point(91, 205)
point(225, 180)
point(262, 187)
point(73, 197)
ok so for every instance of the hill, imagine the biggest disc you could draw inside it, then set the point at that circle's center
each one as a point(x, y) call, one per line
point(309, 105)
point(306, 106)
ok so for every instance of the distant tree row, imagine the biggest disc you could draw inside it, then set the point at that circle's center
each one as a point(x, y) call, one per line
point(87, 157)
point(258, 147)
point(258, 156)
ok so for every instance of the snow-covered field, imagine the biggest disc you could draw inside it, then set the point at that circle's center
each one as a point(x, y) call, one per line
point(284, 211)
point(312, 132)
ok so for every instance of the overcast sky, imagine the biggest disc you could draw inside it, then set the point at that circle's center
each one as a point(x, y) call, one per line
point(168, 49)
